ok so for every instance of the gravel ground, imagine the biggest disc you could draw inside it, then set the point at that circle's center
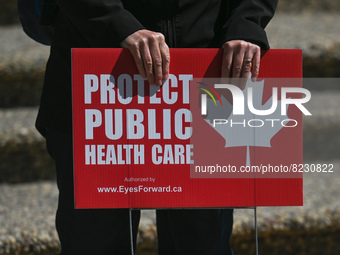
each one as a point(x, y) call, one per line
point(27, 216)
point(311, 32)
point(325, 109)
point(19, 52)
point(18, 124)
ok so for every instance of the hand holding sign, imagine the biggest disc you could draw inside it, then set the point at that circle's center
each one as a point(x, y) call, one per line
point(152, 58)
point(239, 58)
point(151, 55)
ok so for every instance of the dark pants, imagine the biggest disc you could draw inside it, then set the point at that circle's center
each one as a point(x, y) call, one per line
point(107, 231)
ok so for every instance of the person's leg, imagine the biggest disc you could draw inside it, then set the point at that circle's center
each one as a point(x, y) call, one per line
point(85, 231)
point(194, 231)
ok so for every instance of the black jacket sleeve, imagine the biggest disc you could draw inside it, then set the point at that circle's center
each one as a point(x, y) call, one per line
point(248, 20)
point(102, 23)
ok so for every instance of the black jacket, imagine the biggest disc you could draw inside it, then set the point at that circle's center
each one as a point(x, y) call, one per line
point(106, 23)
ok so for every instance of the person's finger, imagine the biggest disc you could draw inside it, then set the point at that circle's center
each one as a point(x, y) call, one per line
point(165, 60)
point(227, 61)
point(237, 67)
point(238, 60)
point(156, 63)
point(246, 68)
point(133, 45)
point(148, 62)
point(256, 64)
point(157, 44)
point(135, 52)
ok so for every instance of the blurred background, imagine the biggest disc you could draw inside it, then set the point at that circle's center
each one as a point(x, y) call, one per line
point(28, 194)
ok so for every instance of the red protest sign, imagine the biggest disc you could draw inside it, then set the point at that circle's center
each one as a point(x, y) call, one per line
point(185, 144)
